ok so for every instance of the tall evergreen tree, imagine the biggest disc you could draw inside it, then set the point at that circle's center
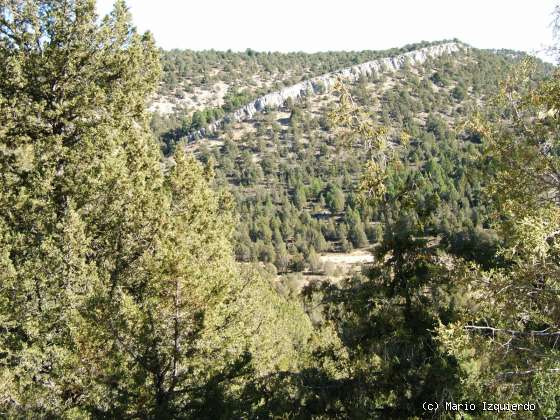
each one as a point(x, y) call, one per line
point(79, 204)
point(119, 295)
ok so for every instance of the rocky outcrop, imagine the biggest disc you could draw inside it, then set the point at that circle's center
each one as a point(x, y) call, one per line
point(324, 82)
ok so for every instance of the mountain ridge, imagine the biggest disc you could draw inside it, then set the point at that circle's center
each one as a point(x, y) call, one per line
point(317, 84)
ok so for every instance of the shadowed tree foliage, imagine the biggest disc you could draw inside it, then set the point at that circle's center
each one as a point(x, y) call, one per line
point(508, 333)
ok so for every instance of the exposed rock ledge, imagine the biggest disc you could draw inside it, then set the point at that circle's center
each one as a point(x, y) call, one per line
point(326, 81)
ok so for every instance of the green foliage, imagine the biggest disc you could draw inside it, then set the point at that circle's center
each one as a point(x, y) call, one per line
point(199, 68)
point(335, 199)
point(292, 176)
point(406, 328)
point(235, 100)
point(120, 296)
point(510, 326)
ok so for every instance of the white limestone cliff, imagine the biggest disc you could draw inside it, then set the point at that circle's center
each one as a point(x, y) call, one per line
point(277, 99)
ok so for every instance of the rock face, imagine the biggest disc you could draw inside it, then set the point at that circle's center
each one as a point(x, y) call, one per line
point(326, 81)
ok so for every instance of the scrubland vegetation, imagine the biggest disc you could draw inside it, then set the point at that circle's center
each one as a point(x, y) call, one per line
point(354, 254)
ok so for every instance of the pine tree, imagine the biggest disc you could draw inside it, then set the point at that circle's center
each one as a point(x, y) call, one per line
point(314, 261)
point(335, 199)
point(300, 197)
point(282, 259)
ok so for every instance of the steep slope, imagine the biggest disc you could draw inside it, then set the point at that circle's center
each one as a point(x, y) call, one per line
point(325, 82)
point(194, 80)
point(294, 185)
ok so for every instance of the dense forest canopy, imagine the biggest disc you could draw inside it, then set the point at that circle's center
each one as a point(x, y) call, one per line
point(355, 254)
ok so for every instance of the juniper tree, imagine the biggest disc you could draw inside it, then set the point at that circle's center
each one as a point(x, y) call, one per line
point(508, 333)
point(119, 294)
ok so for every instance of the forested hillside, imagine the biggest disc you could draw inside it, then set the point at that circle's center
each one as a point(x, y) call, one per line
point(359, 252)
point(295, 183)
point(195, 80)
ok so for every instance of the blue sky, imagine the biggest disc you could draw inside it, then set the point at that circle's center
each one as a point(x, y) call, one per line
point(313, 25)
